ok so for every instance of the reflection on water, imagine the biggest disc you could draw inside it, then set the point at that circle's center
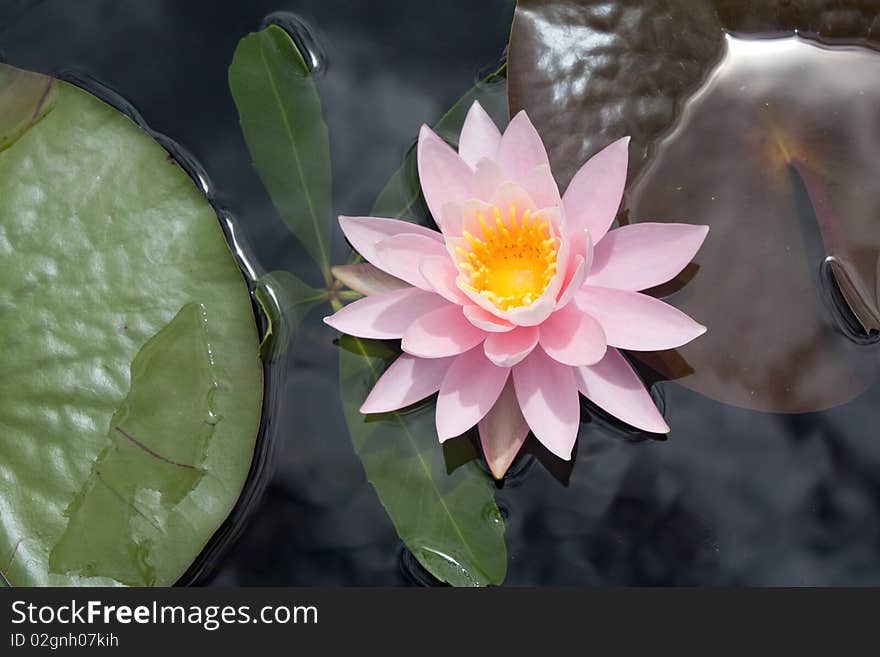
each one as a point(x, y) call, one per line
point(734, 496)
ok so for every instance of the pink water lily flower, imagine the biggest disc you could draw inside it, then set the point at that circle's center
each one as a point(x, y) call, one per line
point(524, 296)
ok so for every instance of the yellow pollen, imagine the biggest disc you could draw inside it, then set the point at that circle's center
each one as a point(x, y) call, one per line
point(509, 263)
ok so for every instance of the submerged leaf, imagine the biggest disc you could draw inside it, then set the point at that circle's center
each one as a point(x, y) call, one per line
point(103, 240)
point(449, 521)
point(280, 114)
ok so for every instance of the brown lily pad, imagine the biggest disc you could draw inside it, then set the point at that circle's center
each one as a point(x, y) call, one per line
point(833, 21)
point(588, 72)
point(778, 154)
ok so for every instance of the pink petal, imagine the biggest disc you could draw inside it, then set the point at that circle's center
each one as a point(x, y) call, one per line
point(444, 332)
point(440, 273)
point(538, 310)
point(503, 431)
point(636, 321)
point(573, 338)
point(480, 136)
point(594, 194)
point(385, 316)
point(576, 275)
point(507, 349)
point(367, 279)
point(589, 251)
point(548, 397)
point(402, 255)
point(485, 320)
point(521, 148)
point(365, 232)
point(488, 177)
point(406, 381)
point(510, 194)
point(444, 176)
point(581, 245)
point(469, 390)
point(640, 256)
point(613, 386)
point(542, 187)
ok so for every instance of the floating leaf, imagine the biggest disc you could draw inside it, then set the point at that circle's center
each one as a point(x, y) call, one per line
point(784, 132)
point(104, 240)
point(589, 72)
point(280, 114)
point(285, 300)
point(448, 520)
point(828, 20)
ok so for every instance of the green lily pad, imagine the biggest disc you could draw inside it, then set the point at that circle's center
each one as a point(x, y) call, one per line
point(280, 114)
point(131, 385)
point(448, 520)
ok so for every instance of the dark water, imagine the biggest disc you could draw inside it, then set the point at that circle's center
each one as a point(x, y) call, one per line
point(734, 496)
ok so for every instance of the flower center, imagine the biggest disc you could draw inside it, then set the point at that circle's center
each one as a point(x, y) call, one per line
point(512, 262)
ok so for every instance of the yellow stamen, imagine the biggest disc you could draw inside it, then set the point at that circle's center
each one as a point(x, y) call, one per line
point(511, 263)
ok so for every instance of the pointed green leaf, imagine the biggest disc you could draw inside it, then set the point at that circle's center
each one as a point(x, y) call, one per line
point(130, 382)
point(448, 520)
point(280, 114)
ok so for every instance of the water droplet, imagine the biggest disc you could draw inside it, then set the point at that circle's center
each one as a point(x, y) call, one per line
point(495, 514)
